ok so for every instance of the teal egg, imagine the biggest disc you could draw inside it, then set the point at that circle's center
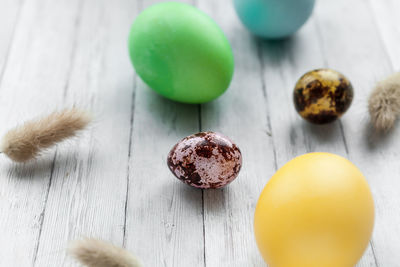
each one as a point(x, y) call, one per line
point(274, 19)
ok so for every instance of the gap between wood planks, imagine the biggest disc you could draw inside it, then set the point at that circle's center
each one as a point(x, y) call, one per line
point(129, 155)
point(200, 129)
point(265, 94)
point(66, 87)
point(323, 48)
point(202, 199)
point(388, 58)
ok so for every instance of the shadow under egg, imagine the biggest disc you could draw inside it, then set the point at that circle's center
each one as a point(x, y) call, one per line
point(375, 140)
point(208, 199)
point(324, 133)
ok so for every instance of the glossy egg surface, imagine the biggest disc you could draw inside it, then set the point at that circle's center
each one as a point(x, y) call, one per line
point(322, 96)
point(205, 160)
point(317, 210)
point(181, 53)
point(273, 18)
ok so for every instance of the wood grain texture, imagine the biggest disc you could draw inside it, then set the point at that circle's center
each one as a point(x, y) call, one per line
point(383, 151)
point(32, 83)
point(9, 18)
point(387, 19)
point(164, 223)
point(228, 213)
point(113, 183)
point(87, 197)
point(373, 154)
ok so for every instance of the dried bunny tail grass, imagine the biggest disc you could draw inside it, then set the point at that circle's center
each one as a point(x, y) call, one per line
point(96, 253)
point(384, 103)
point(25, 142)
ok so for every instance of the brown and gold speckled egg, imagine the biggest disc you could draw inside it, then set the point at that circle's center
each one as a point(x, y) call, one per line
point(322, 95)
point(205, 160)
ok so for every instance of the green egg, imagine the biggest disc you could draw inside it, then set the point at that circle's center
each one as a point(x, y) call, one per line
point(181, 53)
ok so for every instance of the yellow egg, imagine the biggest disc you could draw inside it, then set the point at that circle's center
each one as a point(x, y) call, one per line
point(316, 211)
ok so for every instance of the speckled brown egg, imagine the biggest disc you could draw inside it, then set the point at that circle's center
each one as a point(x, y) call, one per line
point(322, 95)
point(205, 160)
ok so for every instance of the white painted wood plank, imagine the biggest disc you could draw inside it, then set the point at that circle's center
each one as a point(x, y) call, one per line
point(88, 191)
point(386, 15)
point(53, 64)
point(9, 15)
point(32, 83)
point(360, 54)
point(164, 218)
point(282, 63)
point(241, 114)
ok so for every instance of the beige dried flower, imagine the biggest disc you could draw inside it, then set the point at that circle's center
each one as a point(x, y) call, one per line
point(97, 253)
point(25, 142)
point(384, 103)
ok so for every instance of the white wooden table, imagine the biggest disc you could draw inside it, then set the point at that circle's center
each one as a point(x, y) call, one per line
point(113, 182)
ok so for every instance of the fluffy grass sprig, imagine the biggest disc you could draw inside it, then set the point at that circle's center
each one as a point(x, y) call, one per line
point(25, 142)
point(97, 253)
point(384, 103)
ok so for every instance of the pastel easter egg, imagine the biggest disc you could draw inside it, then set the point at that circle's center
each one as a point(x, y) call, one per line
point(181, 53)
point(317, 210)
point(205, 160)
point(273, 18)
